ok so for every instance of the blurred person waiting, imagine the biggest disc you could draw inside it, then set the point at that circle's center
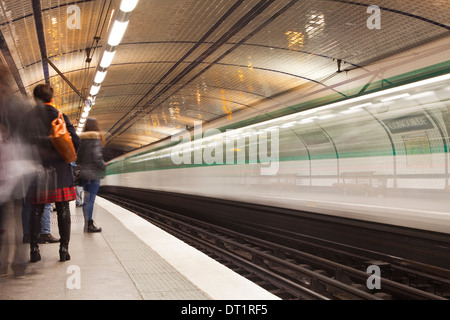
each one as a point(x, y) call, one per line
point(92, 168)
point(18, 165)
point(56, 184)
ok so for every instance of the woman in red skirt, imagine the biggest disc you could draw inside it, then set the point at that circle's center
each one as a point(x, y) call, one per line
point(56, 184)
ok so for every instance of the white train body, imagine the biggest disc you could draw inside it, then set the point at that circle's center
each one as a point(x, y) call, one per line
point(381, 157)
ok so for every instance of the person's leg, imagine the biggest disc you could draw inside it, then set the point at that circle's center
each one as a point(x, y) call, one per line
point(19, 263)
point(86, 185)
point(93, 190)
point(35, 230)
point(26, 208)
point(94, 186)
point(4, 245)
point(45, 226)
point(64, 224)
point(79, 201)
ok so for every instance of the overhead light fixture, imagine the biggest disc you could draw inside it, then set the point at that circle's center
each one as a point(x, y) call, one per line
point(117, 32)
point(128, 5)
point(99, 76)
point(94, 90)
point(115, 37)
point(107, 59)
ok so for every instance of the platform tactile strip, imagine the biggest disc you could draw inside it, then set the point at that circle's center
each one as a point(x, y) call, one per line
point(153, 276)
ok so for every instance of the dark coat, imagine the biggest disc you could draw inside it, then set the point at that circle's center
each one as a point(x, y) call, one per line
point(37, 126)
point(90, 156)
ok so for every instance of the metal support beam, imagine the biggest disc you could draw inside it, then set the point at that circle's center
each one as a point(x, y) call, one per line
point(37, 12)
point(11, 64)
point(64, 77)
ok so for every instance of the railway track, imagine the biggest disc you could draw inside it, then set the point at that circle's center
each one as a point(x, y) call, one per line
point(295, 266)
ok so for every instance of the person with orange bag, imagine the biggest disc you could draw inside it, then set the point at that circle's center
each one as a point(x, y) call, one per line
point(56, 183)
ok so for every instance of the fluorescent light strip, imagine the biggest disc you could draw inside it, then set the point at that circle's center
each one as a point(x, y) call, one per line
point(107, 58)
point(116, 35)
point(117, 32)
point(128, 5)
point(94, 90)
point(100, 76)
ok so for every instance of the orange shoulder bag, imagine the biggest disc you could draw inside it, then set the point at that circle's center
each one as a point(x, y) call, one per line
point(61, 139)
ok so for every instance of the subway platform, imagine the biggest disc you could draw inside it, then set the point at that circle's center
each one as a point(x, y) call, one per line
point(130, 259)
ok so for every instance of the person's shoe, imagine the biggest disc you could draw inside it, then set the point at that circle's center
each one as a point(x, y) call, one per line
point(44, 238)
point(35, 254)
point(92, 228)
point(21, 271)
point(64, 253)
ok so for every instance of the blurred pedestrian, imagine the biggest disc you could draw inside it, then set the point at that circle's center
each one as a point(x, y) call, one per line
point(92, 168)
point(56, 183)
point(18, 165)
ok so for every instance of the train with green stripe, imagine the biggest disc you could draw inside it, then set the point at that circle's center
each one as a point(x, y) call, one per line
point(381, 157)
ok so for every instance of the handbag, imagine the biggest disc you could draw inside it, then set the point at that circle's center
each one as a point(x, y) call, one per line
point(61, 139)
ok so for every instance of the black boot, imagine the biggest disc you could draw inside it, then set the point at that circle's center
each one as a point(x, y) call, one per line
point(63, 212)
point(92, 227)
point(35, 231)
point(35, 254)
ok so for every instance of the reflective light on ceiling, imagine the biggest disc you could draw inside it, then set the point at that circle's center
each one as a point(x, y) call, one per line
point(316, 24)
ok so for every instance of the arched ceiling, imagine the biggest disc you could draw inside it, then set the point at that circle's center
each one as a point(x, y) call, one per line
point(182, 61)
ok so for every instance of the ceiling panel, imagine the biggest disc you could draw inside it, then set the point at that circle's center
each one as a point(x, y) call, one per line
point(182, 61)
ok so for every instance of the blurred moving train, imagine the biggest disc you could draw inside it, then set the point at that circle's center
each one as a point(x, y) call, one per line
point(380, 157)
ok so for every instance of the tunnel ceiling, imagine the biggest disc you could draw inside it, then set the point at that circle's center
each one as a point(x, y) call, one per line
point(182, 61)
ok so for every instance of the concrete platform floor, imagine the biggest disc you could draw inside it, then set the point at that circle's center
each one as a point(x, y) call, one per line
point(129, 260)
